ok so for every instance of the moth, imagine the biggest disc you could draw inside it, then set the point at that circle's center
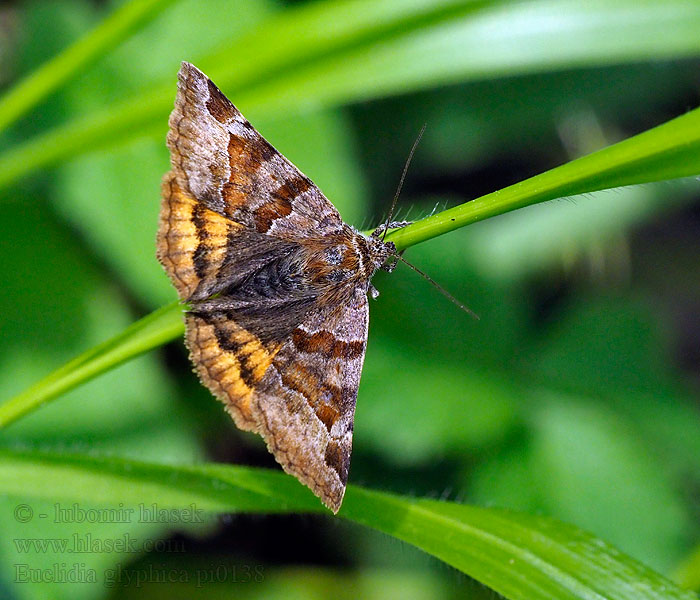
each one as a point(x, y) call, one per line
point(276, 285)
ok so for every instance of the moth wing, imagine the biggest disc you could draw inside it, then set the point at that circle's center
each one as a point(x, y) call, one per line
point(298, 394)
point(285, 365)
point(220, 159)
point(193, 241)
point(307, 399)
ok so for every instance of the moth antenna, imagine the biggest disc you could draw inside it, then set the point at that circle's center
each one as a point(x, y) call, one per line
point(441, 289)
point(403, 176)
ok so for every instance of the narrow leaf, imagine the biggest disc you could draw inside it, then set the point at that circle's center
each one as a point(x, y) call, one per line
point(520, 556)
point(325, 54)
point(150, 332)
point(123, 22)
point(670, 150)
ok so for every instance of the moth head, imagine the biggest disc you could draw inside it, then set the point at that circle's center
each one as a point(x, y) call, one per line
point(382, 255)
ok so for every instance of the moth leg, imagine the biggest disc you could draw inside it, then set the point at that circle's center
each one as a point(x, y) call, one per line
point(391, 263)
point(393, 225)
point(373, 292)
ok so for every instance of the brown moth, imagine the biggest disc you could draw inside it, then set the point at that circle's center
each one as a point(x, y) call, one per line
point(276, 283)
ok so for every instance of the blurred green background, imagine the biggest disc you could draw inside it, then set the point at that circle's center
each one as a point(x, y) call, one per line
point(574, 396)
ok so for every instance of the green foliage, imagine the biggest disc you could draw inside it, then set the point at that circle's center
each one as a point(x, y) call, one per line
point(518, 555)
point(577, 412)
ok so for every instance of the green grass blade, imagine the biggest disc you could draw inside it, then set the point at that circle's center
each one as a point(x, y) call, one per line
point(484, 40)
point(150, 332)
point(330, 53)
point(123, 22)
point(292, 38)
point(688, 573)
point(95, 131)
point(520, 556)
point(671, 150)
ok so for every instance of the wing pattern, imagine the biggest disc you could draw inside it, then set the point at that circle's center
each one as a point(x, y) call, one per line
point(276, 284)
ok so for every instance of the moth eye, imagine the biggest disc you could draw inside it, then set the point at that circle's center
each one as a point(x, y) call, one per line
point(334, 255)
